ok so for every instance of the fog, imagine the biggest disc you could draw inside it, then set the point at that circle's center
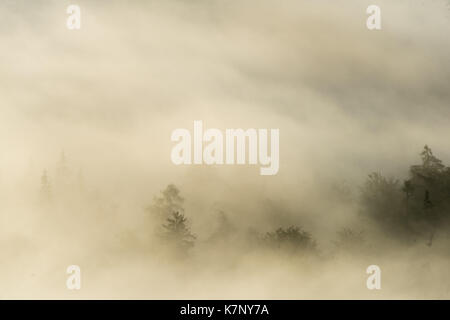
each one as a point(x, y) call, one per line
point(347, 101)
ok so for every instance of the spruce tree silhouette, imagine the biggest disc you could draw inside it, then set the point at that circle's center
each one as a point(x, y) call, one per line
point(177, 232)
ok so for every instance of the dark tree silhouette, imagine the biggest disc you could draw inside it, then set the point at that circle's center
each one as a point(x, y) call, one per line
point(429, 161)
point(426, 206)
point(381, 199)
point(408, 189)
point(177, 232)
point(292, 239)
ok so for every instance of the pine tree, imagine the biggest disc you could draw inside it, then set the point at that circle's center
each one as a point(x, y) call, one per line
point(46, 192)
point(429, 161)
point(165, 205)
point(177, 232)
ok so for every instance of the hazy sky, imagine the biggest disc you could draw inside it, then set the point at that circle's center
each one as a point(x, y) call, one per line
point(347, 101)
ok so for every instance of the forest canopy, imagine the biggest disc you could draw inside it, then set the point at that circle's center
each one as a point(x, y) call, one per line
point(418, 206)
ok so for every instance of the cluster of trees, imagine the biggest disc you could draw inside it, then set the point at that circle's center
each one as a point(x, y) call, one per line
point(175, 227)
point(417, 207)
point(410, 210)
point(291, 239)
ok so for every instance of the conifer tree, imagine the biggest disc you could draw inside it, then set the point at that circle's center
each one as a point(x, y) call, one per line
point(177, 232)
point(46, 191)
